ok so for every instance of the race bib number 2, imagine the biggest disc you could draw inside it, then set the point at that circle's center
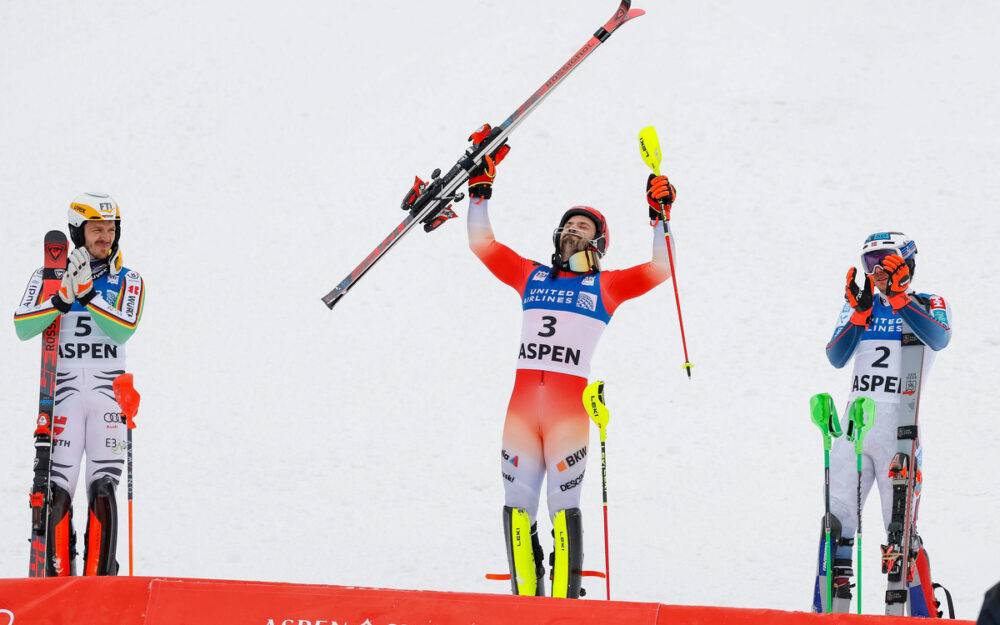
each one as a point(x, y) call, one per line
point(877, 370)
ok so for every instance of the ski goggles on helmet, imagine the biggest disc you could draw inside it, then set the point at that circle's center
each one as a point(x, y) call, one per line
point(583, 262)
point(874, 259)
point(586, 260)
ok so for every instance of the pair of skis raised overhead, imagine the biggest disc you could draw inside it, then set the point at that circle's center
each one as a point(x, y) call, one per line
point(427, 202)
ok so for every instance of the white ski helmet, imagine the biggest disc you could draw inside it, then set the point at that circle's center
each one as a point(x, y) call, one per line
point(881, 244)
point(95, 207)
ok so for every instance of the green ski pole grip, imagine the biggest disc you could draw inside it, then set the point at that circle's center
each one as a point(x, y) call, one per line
point(860, 419)
point(824, 415)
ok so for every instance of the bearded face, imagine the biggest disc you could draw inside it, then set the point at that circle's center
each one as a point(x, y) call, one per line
point(98, 237)
point(576, 236)
point(570, 243)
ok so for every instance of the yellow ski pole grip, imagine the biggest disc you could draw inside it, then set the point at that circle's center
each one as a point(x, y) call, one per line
point(593, 401)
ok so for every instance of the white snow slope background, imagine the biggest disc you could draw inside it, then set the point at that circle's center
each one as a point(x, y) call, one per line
point(259, 151)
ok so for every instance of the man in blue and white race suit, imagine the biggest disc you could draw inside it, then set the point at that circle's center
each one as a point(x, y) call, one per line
point(870, 330)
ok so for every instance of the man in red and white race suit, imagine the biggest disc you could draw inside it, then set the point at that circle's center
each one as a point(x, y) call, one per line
point(566, 307)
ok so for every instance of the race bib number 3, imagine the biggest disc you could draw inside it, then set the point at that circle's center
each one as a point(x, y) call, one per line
point(558, 341)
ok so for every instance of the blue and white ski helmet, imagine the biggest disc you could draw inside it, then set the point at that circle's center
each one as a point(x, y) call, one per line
point(896, 242)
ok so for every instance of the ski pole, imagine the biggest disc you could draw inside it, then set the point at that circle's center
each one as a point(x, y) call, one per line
point(649, 148)
point(860, 420)
point(128, 400)
point(593, 401)
point(824, 415)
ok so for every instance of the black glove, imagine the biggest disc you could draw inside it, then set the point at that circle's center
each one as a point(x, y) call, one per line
point(860, 299)
point(481, 178)
point(899, 281)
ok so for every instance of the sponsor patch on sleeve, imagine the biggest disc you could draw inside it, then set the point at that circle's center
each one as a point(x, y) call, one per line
point(845, 314)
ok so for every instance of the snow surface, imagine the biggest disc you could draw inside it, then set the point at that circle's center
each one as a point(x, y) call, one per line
point(259, 151)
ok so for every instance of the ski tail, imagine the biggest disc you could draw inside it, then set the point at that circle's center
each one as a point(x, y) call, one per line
point(331, 298)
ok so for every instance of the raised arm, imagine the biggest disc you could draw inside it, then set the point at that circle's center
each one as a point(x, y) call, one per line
point(927, 315)
point(623, 285)
point(853, 320)
point(502, 261)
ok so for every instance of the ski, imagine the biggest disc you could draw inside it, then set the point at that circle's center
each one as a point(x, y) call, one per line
point(900, 553)
point(56, 248)
point(430, 203)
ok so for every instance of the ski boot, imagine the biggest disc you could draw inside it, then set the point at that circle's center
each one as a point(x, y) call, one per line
point(102, 529)
point(61, 542)
point(524, 557)
point(566, 561)
point(842, 569)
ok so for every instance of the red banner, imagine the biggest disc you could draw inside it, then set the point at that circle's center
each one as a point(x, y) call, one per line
point(172, 601)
